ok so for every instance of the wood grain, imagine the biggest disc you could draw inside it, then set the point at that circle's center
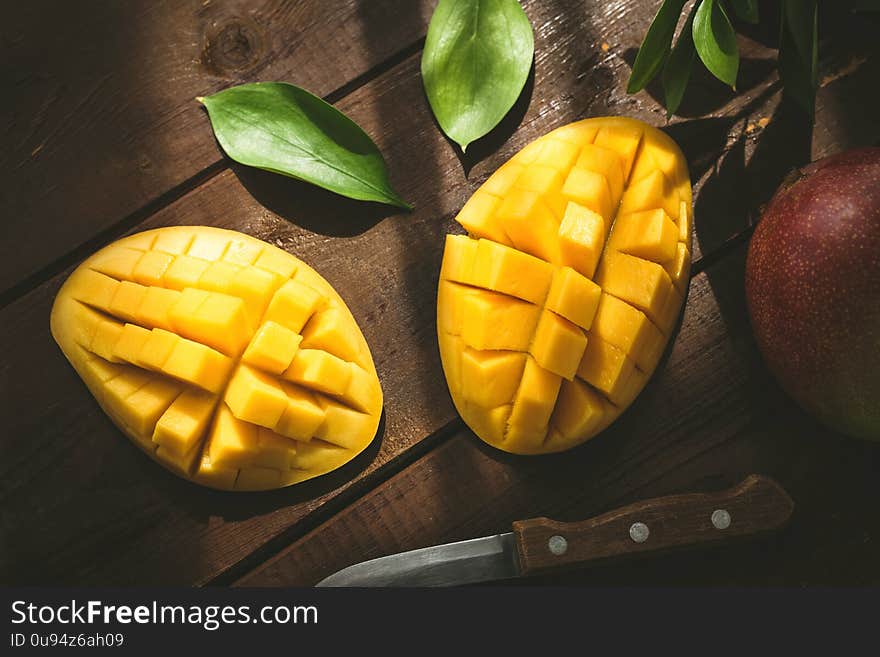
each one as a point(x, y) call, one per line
point(710, 416)
point(103, 119)
point(81, 505)
point(103, 129)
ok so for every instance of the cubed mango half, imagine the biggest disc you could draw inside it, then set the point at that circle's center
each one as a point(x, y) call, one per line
point(227, 360)
point(555, 308)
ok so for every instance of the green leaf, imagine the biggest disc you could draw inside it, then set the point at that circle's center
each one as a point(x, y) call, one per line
point(476, 61)
point(798, 51)
point(281, 128)
point(746, 10)
point(652, 53)
point(677, 70)
point(715, 41)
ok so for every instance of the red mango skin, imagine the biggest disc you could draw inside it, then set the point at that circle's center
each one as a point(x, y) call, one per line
point(813, 290)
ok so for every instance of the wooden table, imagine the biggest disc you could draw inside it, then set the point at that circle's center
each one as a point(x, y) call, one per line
point(102, 137)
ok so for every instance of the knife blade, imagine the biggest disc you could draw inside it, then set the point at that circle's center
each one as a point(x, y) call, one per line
point(756, 506)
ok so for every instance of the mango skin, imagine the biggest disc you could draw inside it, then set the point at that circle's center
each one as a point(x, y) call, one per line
point(227, 360)
point(813, 290)
point(554, 310)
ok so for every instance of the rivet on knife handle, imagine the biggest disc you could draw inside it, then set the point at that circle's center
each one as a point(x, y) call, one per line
point(757, 505)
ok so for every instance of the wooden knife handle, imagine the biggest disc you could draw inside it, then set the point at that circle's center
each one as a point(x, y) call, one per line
point(755, 506)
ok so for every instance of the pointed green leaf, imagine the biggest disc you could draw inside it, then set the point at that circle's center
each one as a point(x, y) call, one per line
point(746, 10)
point(281, 128)
point(475, 63)
point(652, 53)
point(715, 41)
point(798, 51)
point(677, 70)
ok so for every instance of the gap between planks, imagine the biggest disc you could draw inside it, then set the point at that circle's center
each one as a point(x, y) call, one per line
point(163, 200)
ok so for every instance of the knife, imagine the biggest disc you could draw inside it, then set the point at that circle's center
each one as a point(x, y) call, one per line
point(758, 505)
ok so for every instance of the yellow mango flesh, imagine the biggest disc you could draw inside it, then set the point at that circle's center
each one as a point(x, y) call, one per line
point(555, 308)
point(229, 361)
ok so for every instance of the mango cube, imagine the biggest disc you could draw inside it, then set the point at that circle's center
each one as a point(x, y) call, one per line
point(679, 267)
point(641, 283)
point(130, 343)
point(606, 162)
point(607, 368)
point(155, 308)
point(195, 363)
point(490, 378)
point(579, 409)
point(150, 269)
point(581, 238)
point(233, 442)
point(272, 348)
point(293, 305)
point(558, 345)
point(335, 332)
point(319, 370)
point(184, 271)
point(557, 153)
point(649, 234)
point(255, 288)
point(208, 246)
point(174, 242)
point(184, 423)
point(127, 300)
point(302, 415)
point(93, 288)
point(218, 276)
point(479, 219)
point(573, 297)
point(651, 192)
point(215, 319)
point(623, 137)
point(490, 424)
point(158, 347)
point(508, 271)
point(502, 181)
point(545, 180)
point(536, 396)
point(255, 397)
point(626, 328)
point(530, 224)
point(104, 339)
point(278, 262)
point(275, 451)
point(589, 189)
point(458, 259)
point(495, 321)
point(118, 263)
point(342, 425)
point(242, 252)
point(147, 404)
point(360, 393)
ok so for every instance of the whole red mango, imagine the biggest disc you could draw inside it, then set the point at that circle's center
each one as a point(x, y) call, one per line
point(813, 289)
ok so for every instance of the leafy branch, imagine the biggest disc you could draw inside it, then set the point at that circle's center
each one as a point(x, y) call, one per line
point(708, 33)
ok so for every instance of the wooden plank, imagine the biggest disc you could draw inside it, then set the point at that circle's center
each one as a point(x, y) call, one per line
point(111, 516)
point(711, 416)
point(102, 135)
point(103, 118)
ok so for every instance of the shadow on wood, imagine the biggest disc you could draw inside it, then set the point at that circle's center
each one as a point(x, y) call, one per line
point(311, 207)
point(232, 505)
point(705, 93)
point(495, 138)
